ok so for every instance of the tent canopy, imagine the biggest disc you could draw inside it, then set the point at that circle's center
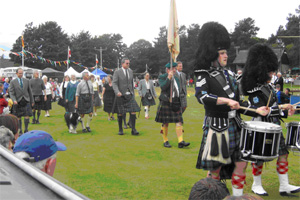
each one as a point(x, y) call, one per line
point(99, 73)
point(72, 71)
point(52, 73)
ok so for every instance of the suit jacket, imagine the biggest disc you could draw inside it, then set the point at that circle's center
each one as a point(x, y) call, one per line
point(16, 92)
point(182, 81)
point(165, 84)
point(143, 88)
point(280, 82)
point(120, 82)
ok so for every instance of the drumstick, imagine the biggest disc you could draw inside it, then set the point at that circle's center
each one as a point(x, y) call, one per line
point(296, 103)
point(269, 99)
point(245, 108)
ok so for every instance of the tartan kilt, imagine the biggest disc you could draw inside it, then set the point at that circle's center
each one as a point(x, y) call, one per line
point(22, 111)
point(234, 151)
point(97, 100)
point(147, 102)
point(38, 105)
point(123, 106)
point(166, 115)
point(183, 101)
point(85, 104)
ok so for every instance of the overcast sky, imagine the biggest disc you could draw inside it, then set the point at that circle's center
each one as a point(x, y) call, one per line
point(137, 19)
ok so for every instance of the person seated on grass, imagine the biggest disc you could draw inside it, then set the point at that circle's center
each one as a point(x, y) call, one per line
point(39, 148)
point(10, 122)
point(6, 137)
point(209, 188)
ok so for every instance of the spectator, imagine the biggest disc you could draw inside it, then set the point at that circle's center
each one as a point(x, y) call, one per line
point(97, 99)
point(6, 137)
point(191, 82)
point(49, 94)
point(109, 99)
point(12, 123)
point(281, 97)
point(279, 81)
point(39, 148)
point(63, 87)
point(6, 86)
point(70, 94)
point(3, 102)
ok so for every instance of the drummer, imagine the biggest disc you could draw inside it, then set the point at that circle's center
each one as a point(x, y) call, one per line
point(260, 65)
point(217, 90)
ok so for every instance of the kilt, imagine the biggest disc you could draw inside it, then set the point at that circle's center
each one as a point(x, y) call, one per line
point(234, 150)
point(48, 103)
point(109, 101)
point(97, 100)
point(148, 102)
point(123, 106)
point(38, 105)
point(70, 106)
point(166, 115)
point(183, 100)
point(22, 111)
point(85, 104)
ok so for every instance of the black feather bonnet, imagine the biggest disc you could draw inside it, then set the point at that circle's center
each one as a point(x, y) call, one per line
point(260, 62)
point(212, 38)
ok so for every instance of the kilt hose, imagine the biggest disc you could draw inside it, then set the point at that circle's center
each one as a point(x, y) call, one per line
point(234, 150)
point(38, 105)
point(166, 115)
point(22, 111)
point(85, 104)
point(127, 105)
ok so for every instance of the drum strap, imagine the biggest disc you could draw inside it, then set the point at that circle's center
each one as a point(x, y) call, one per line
point(282, 167)
point(238, 181)
point(223, 82)
point(256, 169)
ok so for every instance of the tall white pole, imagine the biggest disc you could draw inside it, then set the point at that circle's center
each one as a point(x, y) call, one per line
point(23, 57)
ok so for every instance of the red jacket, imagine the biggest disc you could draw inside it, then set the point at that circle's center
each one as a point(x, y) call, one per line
point(3, 104)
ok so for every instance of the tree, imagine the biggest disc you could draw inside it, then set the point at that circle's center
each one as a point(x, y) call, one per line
point(244, 34)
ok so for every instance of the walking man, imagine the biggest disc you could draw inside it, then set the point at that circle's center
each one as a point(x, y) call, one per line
point(124, 90)
point(84, 101)
point(20, 93)
point(37, 86)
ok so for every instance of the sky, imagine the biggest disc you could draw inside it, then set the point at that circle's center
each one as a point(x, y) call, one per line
point(137, 19)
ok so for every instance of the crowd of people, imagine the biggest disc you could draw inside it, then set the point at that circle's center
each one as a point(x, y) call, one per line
point(217, 88)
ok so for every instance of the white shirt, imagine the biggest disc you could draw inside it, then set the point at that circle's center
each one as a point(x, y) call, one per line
point(48, 88)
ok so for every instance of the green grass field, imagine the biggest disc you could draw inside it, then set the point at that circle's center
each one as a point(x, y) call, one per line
point(104, 165)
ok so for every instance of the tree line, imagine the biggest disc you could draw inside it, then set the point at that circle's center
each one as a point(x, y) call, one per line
point(48, 40)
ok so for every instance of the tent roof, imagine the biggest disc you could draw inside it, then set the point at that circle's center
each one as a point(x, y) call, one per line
point(99, 72)
point(49, 70)
point(71, 71)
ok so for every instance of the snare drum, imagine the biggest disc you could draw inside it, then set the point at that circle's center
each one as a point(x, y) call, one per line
point(259, 141)
point(292, 139)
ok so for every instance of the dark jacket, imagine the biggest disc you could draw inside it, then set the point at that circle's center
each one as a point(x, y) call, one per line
point(165, 83)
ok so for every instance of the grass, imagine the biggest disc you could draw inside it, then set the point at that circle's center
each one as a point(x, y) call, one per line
point(104, 165)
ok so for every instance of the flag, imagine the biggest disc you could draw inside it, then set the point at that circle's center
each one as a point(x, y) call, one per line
point(173, 29)
point(2, 49)
point(69, 53)
point(97, 60)
point(22, 38)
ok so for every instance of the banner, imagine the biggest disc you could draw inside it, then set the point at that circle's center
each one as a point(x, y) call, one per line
point(173, 29)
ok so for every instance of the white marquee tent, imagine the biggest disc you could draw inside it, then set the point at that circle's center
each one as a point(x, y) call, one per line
point(71, 71)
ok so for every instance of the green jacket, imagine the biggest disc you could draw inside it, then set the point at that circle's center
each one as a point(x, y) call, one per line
point(165, 83)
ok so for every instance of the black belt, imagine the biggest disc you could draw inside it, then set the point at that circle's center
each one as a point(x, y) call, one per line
point(220, 114)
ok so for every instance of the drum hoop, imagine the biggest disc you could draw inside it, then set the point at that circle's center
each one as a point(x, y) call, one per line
point(264, 157)
point(293, 124)
point(263, 131)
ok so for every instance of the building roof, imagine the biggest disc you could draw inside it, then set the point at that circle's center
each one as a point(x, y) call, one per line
point(6, 63)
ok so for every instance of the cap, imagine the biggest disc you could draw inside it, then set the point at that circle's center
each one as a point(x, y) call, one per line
point(38, 144)
point(174, 64)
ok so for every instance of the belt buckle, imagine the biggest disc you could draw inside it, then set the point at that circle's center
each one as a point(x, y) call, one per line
point(127, 93)
point(232, 114)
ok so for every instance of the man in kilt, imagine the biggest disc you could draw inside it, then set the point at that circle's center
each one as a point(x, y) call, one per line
point(147, 93)
point(84, 101)
point(217, 90)
point(21, 95)
point(125, 97)
point(170, 112)
point(37, 86)
point(261, 63)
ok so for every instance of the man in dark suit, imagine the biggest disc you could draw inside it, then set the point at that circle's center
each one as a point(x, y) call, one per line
point(20, 93)
point(182, 90)
point(279, 81)
point(124, 90)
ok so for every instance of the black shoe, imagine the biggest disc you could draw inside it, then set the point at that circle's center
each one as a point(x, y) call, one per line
point(84, 130)
point(25, 131)
point(183, 144)
point(88, 129)
point(37, 122)
point(120, 133)
point(33, 121)
point(166, 144)
point(134, 132)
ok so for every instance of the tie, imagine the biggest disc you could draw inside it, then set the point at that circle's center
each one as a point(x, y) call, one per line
point(21, 83)
point(126, 75)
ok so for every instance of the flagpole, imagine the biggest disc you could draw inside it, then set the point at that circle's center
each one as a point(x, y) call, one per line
point(68, 59)
point(171, 68)
point(22, 57)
